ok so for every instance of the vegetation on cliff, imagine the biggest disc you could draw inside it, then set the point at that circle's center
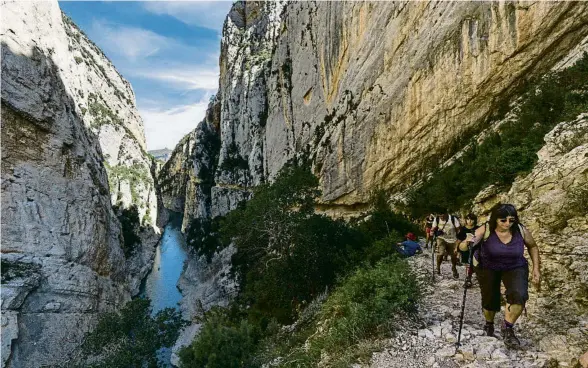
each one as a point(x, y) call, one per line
point(287, 258)
point(129, 221)
point(129, 338)
point(512, 149)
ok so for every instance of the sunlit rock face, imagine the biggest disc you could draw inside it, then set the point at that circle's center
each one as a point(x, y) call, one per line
point(64, 109)
point(107, 105)
point(373, 91)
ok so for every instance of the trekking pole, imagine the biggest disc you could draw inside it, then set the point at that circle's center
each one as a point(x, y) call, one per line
point(433, 247)
point(465, 290)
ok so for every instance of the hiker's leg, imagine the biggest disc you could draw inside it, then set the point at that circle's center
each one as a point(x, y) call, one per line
point(440, 251)
point(517, 292)
point(451, 247)
point(513, 312)
point(489, 315)
point(489, 281)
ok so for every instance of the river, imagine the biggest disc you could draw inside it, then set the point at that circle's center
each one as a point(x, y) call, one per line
point(160, 283)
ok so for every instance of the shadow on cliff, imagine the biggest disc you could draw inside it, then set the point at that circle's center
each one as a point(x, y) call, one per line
point(57, 216)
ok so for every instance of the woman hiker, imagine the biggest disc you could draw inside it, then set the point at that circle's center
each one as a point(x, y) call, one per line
point(500, 257)
point(464, 238)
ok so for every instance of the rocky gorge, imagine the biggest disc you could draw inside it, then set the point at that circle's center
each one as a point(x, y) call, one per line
point(375, 95)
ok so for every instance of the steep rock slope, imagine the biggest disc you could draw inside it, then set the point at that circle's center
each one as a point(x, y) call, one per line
point(62, 261)
point(187, 178)
point(371, 91)
point(375, 94)
point(107, 104)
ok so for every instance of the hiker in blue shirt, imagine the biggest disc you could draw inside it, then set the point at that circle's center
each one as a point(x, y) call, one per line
point(409, 247)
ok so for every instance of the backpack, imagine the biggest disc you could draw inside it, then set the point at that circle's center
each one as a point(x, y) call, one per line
point(451, 218)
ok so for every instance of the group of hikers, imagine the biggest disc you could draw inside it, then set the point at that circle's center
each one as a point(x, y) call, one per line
point(494, 251)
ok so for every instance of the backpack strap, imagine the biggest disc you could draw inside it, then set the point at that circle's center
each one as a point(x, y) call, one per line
point(486, 231)
point(453, 221)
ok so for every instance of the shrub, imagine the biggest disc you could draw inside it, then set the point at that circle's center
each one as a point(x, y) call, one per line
point(286, 254)
point(16, 269)
point(222, 343)
point(363, 306)
point(203, 236)
point(382, 248)
point(131, 337)
point(129, 221)
point(382, 220)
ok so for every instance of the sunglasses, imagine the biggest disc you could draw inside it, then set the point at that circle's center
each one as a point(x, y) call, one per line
point(509, 219)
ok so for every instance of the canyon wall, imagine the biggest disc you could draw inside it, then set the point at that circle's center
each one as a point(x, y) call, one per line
point(72, 146)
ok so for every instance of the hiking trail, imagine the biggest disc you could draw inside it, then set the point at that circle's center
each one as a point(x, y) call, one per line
point(431, 340)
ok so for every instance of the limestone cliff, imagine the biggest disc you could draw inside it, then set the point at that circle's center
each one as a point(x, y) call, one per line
point(62, 260)
point(371, 91)
point(107, 105)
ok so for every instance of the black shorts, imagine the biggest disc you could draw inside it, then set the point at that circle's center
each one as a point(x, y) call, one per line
point(465, 256)
point(515, 281)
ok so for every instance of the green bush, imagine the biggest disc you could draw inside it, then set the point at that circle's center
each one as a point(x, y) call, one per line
point(382, 220)
point(510, 152)
point(222, 343)
point(286, 253)
point(364, 306)
point(286, 256)
point(203, 236)
point(131, 337)
point(383, 248)
point(129, 221)
point(16, 269)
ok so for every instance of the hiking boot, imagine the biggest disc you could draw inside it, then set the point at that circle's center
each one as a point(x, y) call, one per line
point(439, 271)
point(468, 282)
point(510, 340)
point(489, 329)
point(455, 273)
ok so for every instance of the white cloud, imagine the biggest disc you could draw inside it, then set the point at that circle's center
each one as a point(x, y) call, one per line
point(191, 78)
point(131, 42)
point(165, 128)
point(207, 14)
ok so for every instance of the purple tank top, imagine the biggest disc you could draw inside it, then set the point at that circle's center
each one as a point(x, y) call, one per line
point(503, 257)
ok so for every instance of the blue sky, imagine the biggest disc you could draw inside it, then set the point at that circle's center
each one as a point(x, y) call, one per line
point(167, 50)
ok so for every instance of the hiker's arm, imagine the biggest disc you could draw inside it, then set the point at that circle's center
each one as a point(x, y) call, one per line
point(479, 235)
point(534, 253)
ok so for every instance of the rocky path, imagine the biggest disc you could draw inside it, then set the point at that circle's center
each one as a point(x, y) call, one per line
point(431, 341)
